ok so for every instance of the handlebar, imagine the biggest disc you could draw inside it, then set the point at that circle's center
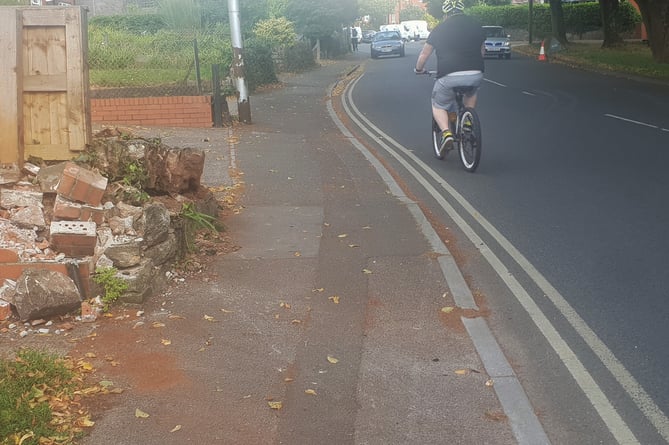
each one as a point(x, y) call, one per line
point(427, 72)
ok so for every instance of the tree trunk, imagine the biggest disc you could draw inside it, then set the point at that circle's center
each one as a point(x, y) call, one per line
point(608, 9)
point(557, 22)
point(656, 18)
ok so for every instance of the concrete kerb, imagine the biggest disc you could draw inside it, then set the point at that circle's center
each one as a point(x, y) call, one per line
point(525, 425)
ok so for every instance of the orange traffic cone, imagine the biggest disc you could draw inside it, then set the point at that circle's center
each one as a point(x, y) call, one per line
point(542, 53)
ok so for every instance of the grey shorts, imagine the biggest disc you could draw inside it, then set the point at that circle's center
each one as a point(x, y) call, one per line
point(443, 95)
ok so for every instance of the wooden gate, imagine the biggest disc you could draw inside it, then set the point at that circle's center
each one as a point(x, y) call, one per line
point(45, 107)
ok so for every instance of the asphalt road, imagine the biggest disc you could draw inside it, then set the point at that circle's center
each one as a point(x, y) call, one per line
point(563, 230)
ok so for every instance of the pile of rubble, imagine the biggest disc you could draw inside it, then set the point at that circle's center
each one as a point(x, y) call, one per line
point(59, 223)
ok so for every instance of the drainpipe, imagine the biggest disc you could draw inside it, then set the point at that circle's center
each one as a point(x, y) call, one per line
point(243, 104)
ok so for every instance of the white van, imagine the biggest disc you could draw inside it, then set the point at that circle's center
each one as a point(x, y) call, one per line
point(417, 29)
point(403, 30)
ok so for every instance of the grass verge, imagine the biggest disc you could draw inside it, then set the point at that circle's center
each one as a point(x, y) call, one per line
point(40, 398)
point(633, 59)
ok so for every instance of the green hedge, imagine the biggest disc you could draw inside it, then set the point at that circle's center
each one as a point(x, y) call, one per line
point(579, 18)
point(135, 24)
point(258, 64)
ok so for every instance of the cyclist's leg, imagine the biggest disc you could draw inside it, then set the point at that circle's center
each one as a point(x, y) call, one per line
point(443, 101)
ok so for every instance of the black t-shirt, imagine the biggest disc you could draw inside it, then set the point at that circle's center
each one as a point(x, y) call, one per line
point(457, 41)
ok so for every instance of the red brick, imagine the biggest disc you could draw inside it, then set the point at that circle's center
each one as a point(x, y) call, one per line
point(5, 310)
point(73, 238)
point(64, 209)
point(79, 184)
point(8, 256)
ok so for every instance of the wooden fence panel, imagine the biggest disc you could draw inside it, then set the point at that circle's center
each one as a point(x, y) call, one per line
point(51, 109)
point(9, 119)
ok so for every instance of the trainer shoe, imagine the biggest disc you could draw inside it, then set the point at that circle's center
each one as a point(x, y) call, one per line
point(446, 141)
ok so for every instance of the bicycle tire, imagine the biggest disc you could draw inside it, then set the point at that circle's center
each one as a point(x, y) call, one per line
point(436, 141)
point(470, 141)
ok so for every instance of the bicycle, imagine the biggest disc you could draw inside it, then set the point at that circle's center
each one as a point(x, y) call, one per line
point(467, 135)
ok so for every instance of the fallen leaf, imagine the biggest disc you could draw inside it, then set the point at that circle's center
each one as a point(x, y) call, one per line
point(176, 317)
point(489, 382)
point(209, 318)
point(106, 383)
point(288, 379)
point(367, 227)
point(86, 366)
point(343, 235)
point(225, 311)
point(284, 305)
point(461, 371)
point(275, 405)
point(366, 271)
point(175, 429)
point(311, 392)
point(297, 254)
point(166, 342)
point(334, 299)
point(353, 245)
point(332, 360)
point(296, 321)
point(91, 355)
point(320, 289)
point(157, 324)
point(140, 414)
point(447, 309)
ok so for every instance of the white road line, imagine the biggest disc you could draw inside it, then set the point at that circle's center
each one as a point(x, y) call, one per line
point(635, 391)
point(528, 93)
point(495, 83)
point(631, 121)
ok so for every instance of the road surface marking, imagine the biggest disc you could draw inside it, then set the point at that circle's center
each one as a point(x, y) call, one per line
point(631, 121)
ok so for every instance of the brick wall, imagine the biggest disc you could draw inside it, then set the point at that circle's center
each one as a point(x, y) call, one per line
point(172, 111)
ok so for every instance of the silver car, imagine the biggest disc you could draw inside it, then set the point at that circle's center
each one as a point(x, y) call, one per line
point(386, 43)
point(497, 42)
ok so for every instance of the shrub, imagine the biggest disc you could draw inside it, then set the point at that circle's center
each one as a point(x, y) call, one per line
point(275, 32)
point(298, 57)
point(135, 24)
point(259, 65)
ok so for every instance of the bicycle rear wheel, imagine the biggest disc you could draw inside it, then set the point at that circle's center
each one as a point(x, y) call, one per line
point(470, 140)
point(436, 141)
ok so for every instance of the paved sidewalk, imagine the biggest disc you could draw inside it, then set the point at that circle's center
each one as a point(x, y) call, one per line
point(330, 311)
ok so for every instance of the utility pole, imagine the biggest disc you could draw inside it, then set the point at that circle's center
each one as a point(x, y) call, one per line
point(243, 104)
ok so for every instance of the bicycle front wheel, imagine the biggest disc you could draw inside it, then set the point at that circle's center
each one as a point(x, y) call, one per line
point(470, 140)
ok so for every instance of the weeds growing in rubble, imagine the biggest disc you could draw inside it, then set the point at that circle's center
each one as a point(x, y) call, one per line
point(195, 221)
point(112, 285)
point(35, 391)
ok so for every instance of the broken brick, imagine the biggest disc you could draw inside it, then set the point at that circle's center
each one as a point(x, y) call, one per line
point(73, 238)
point(82, 185)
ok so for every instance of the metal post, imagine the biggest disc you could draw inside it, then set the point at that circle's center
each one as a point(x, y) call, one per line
point(243, 104)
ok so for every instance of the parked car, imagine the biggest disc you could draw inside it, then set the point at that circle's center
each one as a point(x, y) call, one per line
point(386, 43)
point(402, 29)
point(367, 35)
point(497, 42)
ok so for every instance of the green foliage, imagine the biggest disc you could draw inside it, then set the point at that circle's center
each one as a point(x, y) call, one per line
point(412, 13)
point(299, 57)
point(134, 24)
point(181, 14)
point(113, 286)
point(26, 385)
point(196, 221)
point(275, 32)
point(259, 65)
point(14, 2)
point(578, 17)
point(317, 19)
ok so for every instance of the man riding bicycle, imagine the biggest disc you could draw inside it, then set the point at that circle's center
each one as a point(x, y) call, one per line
point(458, 41)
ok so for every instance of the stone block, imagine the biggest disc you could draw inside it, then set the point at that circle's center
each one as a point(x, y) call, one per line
point(124, 252)
point(82, 185)
point(42, 293)
point(28, 217)
point(74, 238)
point(10, 198)
point(65, 209)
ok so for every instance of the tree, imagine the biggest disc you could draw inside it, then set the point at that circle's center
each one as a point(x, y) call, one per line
point(655, 14)
point(557, 22)
point(412, 13)
point(609, 10)
point(377, 10)
point(317, 19)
